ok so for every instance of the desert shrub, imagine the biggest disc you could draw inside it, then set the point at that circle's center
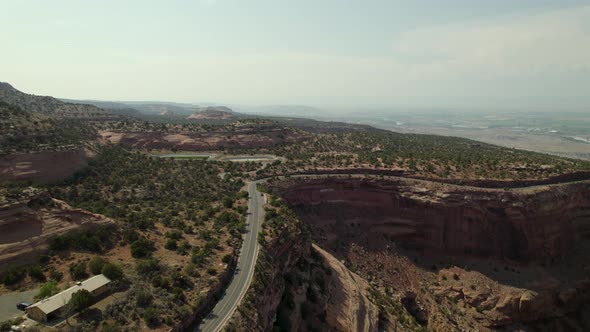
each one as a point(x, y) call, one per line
point(48, 289)
point(55, 275)
point(130, 235)
point(81, 300)
point(146, 266)
point(7, 324)
point(142, 248)
point(78, 271)
point(151, 316)
point(13, 275)
point(96, 264)
point(91, 240)
point(227, 202)
point(174, 234)
point(143, 298)
point(227, 258)
point(171, 244)
point(161, 282)
point(36, 273)
point(112, 271)
point(183, 248)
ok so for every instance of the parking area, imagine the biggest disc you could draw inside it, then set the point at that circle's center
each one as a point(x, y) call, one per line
point(8, 303)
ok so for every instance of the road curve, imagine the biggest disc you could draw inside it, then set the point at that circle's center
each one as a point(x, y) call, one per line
point(236, 290)
point(242, 278)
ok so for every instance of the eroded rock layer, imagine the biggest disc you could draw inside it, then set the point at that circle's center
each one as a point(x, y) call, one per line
point(27, 223)
point(45, 166)
point(458, 258)
point(539, 223)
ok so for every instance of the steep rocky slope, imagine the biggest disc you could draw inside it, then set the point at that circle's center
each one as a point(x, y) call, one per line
point(458, 258)
point(321, 294)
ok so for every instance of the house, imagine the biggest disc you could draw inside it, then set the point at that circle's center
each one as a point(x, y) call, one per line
point(53, 307)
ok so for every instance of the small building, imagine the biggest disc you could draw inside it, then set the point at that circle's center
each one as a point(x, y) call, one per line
point(52, 307)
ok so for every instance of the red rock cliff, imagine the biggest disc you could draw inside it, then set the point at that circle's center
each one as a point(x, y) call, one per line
point(540, 223)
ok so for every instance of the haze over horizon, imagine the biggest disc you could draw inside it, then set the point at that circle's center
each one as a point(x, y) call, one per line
point(526, 55)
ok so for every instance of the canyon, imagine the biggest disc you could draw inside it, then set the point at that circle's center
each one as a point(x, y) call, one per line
point(457, 257)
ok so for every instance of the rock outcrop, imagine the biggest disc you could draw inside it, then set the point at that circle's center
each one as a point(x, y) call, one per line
point(522, 224)
point(27, 223)
point(45, 166)
point(349, 308)
point(457, 257)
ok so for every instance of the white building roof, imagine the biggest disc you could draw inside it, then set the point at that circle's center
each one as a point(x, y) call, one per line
point(59, 300)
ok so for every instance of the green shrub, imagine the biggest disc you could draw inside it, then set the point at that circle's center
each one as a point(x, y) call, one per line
point(36, 273)
point(55, 275)
point(143, 298)
point(48, 289)
point(130, 235)
point(151, 316)
point(94, 241)
point(171, 244)
point(227, 258)
point(142, 248)
point(112, 271)
point(96, 264)
point(174, 234)
point(81, 300)
point(13, 275)
point(146, 266)
point(78, 271)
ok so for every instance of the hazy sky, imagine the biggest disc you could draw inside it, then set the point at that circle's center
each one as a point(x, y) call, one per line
point(317, 52)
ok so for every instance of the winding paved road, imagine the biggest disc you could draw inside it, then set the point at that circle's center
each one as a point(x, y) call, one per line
point(240, 283)
point(236, 290)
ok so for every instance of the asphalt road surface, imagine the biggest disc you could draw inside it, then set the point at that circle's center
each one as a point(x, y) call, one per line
point(8, 303)
point(236, 290)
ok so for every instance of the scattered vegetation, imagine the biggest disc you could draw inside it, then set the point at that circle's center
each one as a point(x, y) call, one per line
point(426, 155)
point(166, 212)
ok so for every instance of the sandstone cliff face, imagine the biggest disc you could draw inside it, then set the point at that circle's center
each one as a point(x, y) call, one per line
point(521, 224)
point(515, 258)
point(348, 307)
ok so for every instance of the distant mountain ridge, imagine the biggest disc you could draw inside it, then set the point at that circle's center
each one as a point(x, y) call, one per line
point(50, 106)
